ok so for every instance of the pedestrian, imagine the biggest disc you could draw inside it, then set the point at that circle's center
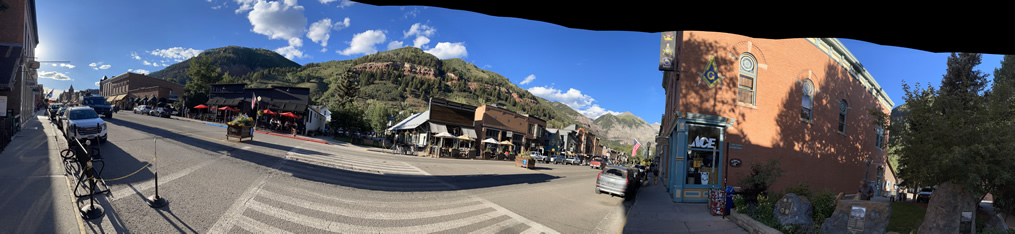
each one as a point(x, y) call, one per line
point(866, 191)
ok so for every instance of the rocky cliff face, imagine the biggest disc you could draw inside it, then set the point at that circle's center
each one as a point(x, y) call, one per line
point(625, 127)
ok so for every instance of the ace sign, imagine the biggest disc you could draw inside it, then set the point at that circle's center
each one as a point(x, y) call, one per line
point(703, 142)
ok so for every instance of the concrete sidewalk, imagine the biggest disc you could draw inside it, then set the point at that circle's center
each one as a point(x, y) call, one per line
point(654, 212)
point(36, 194)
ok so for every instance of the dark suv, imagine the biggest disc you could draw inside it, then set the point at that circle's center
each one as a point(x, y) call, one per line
point(99, 104)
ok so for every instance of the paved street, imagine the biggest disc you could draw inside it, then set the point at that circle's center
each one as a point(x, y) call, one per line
point(279, 185)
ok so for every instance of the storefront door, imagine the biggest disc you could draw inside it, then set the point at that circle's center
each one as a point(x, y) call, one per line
point(698, 159)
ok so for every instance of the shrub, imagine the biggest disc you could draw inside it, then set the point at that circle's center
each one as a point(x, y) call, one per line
point(824, 205)
point(739, 203)
point(242, 120)
point(761, 177)
point(800, 189)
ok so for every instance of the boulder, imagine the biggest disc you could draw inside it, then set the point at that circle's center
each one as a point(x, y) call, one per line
point(945, 210)
point(858, 216)
point(794, 210)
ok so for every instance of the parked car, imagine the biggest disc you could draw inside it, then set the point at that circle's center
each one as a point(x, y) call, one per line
point(557, 159)
point(617, 181)
point(142, 109)
point(572, 161)
point(924, 195)
point(53, 108)
point(596, 164)
point(160, 112)
point(84, 123)
point(59, 117)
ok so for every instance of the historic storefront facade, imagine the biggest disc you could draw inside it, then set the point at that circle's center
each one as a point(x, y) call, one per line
point(735, 101)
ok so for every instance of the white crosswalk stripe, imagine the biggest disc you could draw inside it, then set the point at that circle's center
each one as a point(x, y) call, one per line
point(278, 208)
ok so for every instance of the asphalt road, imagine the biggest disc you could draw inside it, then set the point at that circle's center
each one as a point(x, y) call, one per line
point(277, 184)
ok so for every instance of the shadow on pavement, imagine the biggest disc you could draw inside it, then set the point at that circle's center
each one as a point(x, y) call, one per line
point(343, 175)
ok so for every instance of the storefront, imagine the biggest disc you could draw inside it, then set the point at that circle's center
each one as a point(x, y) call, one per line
point(699, 160)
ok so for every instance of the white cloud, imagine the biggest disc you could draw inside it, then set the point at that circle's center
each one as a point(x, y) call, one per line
point(292, 51)
point(395, 45)
point(413, 12)
point(139, 71)
point(327, 1)
point(107, 66)
point(177, 53)
point(574, 99)
point(528, 79)
point(53, 75)
point(93, 64)
point(445, 50)
point(488, 66)
point(324, 50)
point(320, 31)
point(345, 3)
point(418, 29)
point(134, 55)
point(278, 20)
point(98, 65)
point(96, 84)
point(363, 43)
point(420, 42)
point(67, 65)
point(146, 63)
point(245, 5)
point(595, 111)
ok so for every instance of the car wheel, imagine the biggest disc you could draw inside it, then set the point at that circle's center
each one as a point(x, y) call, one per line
point(598, 192)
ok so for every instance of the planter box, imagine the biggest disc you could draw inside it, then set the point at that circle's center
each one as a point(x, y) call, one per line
point(751, 225)
point(525, 162)
point(240, 132)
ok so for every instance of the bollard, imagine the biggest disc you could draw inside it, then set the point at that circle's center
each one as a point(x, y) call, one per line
point(155, 201)
point(91, 211)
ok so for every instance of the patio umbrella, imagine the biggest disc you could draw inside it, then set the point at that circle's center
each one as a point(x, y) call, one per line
point(202, 106)
point(290, 114)
point(491, 141)
point(269, 112)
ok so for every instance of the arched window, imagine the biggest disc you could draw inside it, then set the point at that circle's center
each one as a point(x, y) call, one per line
point(748, 79)
point(808, 91)
point(842, 116)
point(880, 137)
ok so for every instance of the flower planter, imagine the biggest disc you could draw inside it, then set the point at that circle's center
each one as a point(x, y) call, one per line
point(525, 162)
point(239, 131)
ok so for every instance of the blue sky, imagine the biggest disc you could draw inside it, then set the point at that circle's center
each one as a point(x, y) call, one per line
point(595, 72)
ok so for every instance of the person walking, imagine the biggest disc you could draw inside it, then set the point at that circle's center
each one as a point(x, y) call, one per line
point(655, 174)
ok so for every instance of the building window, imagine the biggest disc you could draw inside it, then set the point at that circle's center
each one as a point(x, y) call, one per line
point(808, 91)
point(748, 79)
point(842, 116)
point(880, 138)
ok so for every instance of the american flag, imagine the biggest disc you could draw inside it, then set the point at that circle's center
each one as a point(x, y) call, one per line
point(636, 146)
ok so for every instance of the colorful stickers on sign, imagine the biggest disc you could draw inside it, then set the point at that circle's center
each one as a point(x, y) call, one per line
point(711, 73)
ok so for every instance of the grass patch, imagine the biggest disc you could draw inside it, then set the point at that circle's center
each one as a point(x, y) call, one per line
point(906, 217)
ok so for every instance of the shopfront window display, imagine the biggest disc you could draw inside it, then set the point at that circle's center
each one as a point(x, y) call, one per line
point(702, 155)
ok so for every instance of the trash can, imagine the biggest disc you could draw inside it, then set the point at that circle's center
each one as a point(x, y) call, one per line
point(729, 199)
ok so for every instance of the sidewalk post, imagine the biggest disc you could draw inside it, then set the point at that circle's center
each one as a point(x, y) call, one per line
point(91, 211)
point(155, 201)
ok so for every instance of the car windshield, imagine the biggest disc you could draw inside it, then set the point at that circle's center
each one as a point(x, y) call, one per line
point(82, 114)
point(927, 190)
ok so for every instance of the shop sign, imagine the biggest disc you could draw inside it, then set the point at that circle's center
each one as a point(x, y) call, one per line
point(703, 142)
point(711, 73)
point(667, 54)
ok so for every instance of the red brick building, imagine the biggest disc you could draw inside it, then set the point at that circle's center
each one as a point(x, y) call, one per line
point(804, 102)
point(124, 87)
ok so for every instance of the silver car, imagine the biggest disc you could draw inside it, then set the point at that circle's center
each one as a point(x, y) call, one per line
point(616, 180)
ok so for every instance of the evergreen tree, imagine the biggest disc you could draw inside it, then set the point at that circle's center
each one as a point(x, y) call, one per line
point(202, 74)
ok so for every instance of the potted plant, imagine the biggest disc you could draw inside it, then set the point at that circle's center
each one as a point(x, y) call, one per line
point(241, 127)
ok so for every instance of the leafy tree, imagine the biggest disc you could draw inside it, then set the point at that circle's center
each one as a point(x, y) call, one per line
point(957, 138)
point(202, 73)
point(377, 116)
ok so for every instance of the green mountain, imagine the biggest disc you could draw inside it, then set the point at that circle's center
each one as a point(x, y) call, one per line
point(404, 79)
point(233, 60)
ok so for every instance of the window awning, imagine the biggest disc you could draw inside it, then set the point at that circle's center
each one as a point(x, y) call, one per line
point(469, 132)
point(215, 101)
point(110, 99)
point(438, 128)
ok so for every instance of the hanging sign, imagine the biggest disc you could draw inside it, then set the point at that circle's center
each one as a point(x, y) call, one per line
point(667, 51)
point(711, 73)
